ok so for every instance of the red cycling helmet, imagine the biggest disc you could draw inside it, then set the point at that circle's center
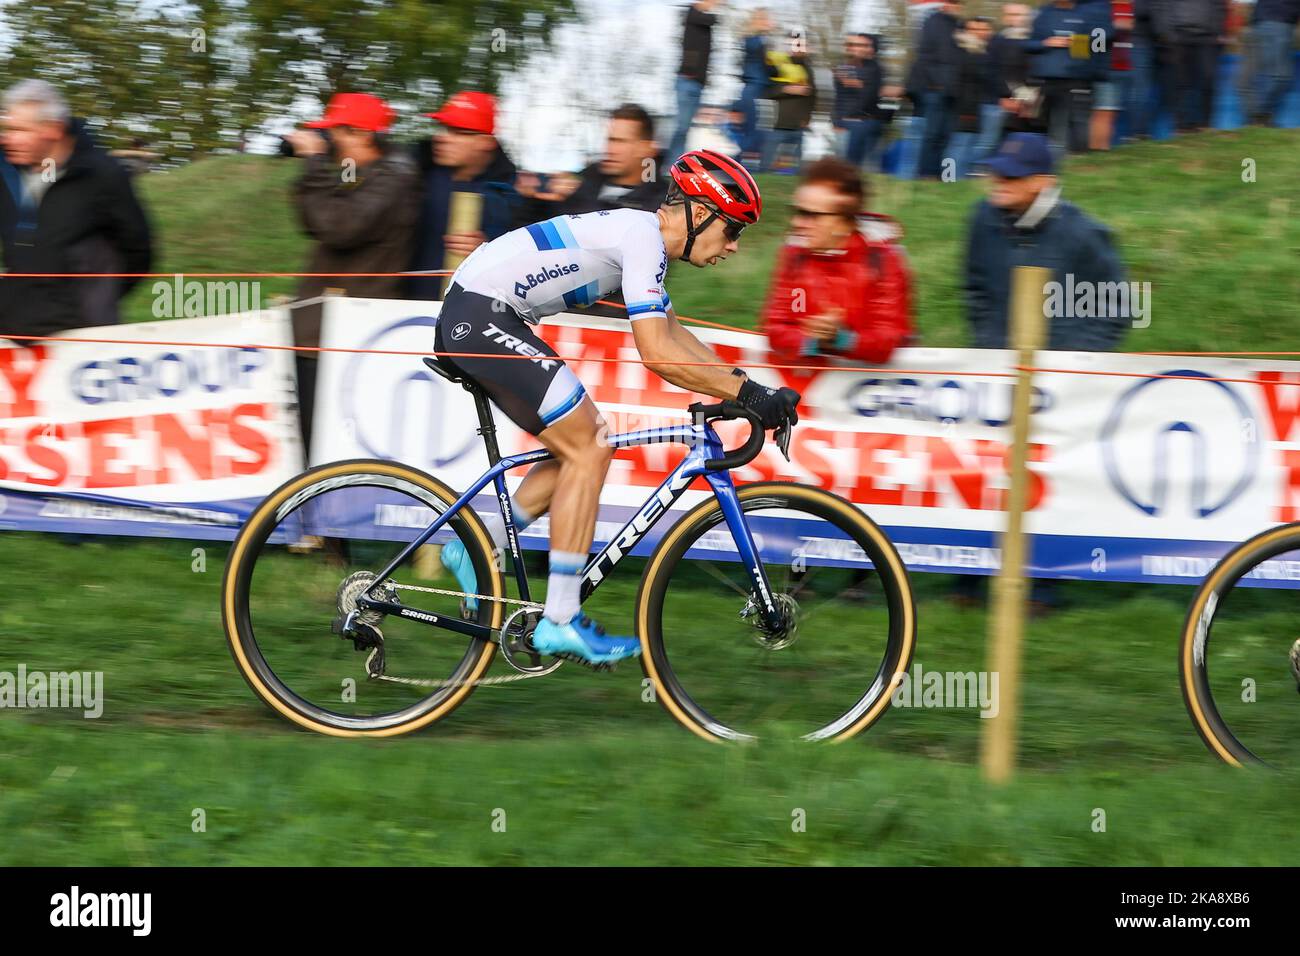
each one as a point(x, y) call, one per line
point(720, 183)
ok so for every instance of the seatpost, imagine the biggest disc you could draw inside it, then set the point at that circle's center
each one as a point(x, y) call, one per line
point(487, 426)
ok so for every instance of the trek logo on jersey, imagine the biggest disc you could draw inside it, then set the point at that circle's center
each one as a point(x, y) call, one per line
point(537, 278)
point(523, 348)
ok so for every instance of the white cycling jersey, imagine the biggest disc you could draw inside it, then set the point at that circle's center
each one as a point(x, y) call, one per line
point(572, 261)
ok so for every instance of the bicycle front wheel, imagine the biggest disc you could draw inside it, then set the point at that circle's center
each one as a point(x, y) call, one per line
point(1244, 617)
point(845, 594)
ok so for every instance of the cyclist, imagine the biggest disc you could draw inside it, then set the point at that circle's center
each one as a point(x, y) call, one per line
point(509, 284)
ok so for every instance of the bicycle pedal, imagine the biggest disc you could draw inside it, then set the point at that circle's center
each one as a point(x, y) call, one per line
point(576, 659)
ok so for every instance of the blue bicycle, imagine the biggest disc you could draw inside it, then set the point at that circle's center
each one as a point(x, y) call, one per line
point(768, 610)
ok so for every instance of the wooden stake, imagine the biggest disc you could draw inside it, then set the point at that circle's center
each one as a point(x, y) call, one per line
point(1007, 613)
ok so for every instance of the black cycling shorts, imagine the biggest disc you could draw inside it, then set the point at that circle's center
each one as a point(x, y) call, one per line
point(534, 394)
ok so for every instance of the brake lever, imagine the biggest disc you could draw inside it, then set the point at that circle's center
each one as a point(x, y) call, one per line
point(782, 436)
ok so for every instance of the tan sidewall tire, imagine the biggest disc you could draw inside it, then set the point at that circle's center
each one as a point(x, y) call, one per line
point(239, 553)
point(895, 568)
point(1209, 725)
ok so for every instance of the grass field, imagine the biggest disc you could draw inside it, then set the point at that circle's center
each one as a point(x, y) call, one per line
point(580, 768)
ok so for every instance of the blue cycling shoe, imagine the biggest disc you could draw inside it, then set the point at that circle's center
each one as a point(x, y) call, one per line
point(584, 641)
point(455, 560)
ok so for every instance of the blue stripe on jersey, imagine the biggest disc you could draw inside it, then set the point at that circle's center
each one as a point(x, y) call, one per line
point(562, 409)
point(562, 230)
point(540, 238)
point(644, 308)
point(583, 295)
point(553, 234)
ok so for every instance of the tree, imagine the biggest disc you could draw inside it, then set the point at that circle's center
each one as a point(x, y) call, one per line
point(193, 76)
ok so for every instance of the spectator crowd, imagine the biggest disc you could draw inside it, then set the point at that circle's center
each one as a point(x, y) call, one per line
point(1005, 101)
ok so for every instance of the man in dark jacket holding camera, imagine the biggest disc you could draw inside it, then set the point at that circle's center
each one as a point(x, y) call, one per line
point(355, 198)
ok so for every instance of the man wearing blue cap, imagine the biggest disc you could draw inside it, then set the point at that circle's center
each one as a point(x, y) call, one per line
point(1025, 222)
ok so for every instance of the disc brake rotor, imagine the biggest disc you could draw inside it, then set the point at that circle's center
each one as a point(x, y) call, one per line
point(788, 632)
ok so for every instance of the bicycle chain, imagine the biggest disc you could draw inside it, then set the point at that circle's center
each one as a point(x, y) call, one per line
point(434, 683)
point(463, 594)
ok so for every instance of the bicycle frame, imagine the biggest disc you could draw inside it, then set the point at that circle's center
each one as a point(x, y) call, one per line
point(704, 445)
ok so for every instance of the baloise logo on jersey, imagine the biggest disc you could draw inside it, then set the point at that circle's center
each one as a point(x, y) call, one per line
point(537, 278)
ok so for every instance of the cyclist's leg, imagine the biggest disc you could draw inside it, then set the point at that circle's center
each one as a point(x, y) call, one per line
point(544, 398)
point(533, 496)
point(583, 462)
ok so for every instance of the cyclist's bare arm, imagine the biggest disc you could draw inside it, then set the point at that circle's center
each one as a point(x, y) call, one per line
point(663, 341)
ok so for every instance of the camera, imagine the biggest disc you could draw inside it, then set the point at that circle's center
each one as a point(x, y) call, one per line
point(286, 147)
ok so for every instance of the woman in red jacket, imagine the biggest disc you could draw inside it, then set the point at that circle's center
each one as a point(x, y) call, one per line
point(842, 286)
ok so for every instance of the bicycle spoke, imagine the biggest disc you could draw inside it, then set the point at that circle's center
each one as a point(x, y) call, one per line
point(718, 575)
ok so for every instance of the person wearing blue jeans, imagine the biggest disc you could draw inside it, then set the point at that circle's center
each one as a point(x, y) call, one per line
point(697, 41)
point(688, 104)
point(754, 74)
point(1270, 37)
point(775, 139)
point(991, 120)
point(933, 83)
point(863, 138)
point(909, 150)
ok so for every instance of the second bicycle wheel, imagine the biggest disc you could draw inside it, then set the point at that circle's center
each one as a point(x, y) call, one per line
point(1240, 651)
point(852, 619)
point(296, 568)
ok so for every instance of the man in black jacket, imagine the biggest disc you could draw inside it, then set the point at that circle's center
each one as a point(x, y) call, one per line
point(697, 45)
point(855, 115)
point(627, 177)
point(933, 83)
point(66, 206)
point(1192, 29)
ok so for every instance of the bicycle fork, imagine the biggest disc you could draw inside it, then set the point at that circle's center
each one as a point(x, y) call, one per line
point(770, 616)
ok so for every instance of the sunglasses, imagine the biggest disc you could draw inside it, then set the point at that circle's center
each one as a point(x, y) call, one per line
point(810, 213)
point(732, 229)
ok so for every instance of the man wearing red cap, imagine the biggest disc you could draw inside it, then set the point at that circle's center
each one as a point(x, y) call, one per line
point(462, 157)
point(354, 199)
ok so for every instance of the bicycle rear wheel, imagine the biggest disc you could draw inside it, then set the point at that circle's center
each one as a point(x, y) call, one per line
point(850, 612)
point(1244, 615)
point(306, 551)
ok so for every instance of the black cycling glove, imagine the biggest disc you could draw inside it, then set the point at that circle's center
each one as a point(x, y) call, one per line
point(775, 406)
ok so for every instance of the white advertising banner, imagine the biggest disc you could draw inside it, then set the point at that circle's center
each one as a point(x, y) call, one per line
point(1144, 469)
point(132, 438)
